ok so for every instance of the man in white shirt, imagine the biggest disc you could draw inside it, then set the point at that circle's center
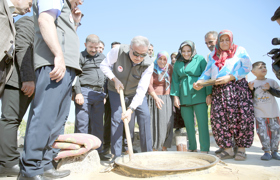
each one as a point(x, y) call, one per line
point(131, 70)
point(210, 41)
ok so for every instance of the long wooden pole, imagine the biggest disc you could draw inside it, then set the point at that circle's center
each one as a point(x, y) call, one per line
point(126, 127)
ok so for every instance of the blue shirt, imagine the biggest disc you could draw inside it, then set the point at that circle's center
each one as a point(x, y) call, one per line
point(238, 66)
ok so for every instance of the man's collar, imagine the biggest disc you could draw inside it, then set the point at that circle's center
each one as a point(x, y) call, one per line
point(11, 6)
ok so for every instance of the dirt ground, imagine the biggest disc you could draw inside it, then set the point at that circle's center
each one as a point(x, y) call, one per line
point(251, 169)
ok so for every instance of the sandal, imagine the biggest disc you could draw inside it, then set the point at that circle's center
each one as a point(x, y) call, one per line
point(224, 155)
point(240, 156)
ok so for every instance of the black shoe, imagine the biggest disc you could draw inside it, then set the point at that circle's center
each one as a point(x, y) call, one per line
point(54, 174)
point(103, 157)
point(219, 150)
point(10, 172)
point(38, 177)
point(105, 151)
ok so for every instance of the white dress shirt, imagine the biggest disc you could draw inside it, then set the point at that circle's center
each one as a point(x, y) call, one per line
point(144, 82)
point(11, 6)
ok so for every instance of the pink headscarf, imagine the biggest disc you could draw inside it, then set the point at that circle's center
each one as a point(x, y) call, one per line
point(220, 55)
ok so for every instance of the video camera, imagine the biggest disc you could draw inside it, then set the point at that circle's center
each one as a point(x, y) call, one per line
point(275, 56)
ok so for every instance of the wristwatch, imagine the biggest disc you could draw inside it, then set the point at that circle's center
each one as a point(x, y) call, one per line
point(77, 24)
point(131, 109)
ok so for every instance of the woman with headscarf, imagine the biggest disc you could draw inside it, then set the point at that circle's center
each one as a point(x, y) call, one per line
point(232, 110)
point(160, 103)
point(187, 69)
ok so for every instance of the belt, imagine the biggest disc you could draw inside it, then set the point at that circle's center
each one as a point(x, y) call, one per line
point(94, 88)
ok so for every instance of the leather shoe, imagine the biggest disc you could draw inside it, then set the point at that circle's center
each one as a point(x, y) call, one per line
point(105, 151)
point(103, 157)
point(38, 177)
point(10, 172)
point(54, 174)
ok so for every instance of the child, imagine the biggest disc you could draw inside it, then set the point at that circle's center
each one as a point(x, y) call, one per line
point(266, 110)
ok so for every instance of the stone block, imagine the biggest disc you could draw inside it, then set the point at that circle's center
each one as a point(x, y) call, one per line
point(85, 163)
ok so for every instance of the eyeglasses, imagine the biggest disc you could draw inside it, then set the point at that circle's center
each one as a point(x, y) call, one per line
point(137, 54)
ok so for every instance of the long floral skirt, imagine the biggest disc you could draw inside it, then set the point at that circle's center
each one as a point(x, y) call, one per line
point(232, 114)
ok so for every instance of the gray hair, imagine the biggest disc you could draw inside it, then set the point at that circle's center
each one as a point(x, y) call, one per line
point(92, 38)
point(140, 41)
point(214, 33)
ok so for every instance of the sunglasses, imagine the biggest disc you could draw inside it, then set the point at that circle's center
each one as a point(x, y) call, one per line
point(137, 54)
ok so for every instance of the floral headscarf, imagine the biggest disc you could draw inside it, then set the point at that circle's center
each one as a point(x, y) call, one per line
point(180, 56)
point(162, 72)
point(220, 55)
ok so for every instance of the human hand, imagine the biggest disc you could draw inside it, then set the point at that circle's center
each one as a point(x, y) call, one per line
point(177, 102)
point(79, 99)
point(196, 86)
point(159, 102)
point(266, 87)
point(208, 99)
point(59, 69)
point(76, 14)
point(251, 86)
point(28, 88)
point(104, 100)
point(118, 84)
point(127, 115)
point(224, 79)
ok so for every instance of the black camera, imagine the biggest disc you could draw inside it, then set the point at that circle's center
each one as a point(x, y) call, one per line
point(275, 56)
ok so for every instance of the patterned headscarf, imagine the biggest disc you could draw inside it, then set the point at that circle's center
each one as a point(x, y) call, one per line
point(162, 72)
point(220, 55)
point(180, 56)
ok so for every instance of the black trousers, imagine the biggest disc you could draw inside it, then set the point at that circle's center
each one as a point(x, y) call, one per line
point(14, 106)
point(107, 124)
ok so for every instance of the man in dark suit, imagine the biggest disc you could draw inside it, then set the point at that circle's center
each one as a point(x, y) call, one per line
point(17, 95)
point(7, 31)
point(8, 165)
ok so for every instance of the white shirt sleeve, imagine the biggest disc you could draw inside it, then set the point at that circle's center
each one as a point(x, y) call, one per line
point(51, 6)
point(108, 62)
point(142, 87)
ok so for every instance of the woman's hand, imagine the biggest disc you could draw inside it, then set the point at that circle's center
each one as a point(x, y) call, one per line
point(208, 99)
point(177, 102)
point(224, 79)
point(251, 86)
point(196, 86)
point(159, 102)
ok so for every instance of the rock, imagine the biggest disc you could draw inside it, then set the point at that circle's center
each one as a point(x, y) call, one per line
point(85, 163)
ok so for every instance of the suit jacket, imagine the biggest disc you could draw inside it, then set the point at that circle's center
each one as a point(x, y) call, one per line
point(183, 79)
point(23, 65)
point(7, 43)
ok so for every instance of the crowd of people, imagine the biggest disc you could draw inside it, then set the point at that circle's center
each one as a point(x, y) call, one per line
point(158, 95)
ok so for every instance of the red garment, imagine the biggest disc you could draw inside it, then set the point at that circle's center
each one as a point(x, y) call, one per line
point(220, 55)
point(159, 86)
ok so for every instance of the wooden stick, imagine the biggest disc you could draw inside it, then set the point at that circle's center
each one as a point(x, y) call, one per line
point(126, 127)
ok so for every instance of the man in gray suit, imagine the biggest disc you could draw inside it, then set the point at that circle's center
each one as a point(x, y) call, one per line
point(10, 120)
point(7, 31)
point(17, 96)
